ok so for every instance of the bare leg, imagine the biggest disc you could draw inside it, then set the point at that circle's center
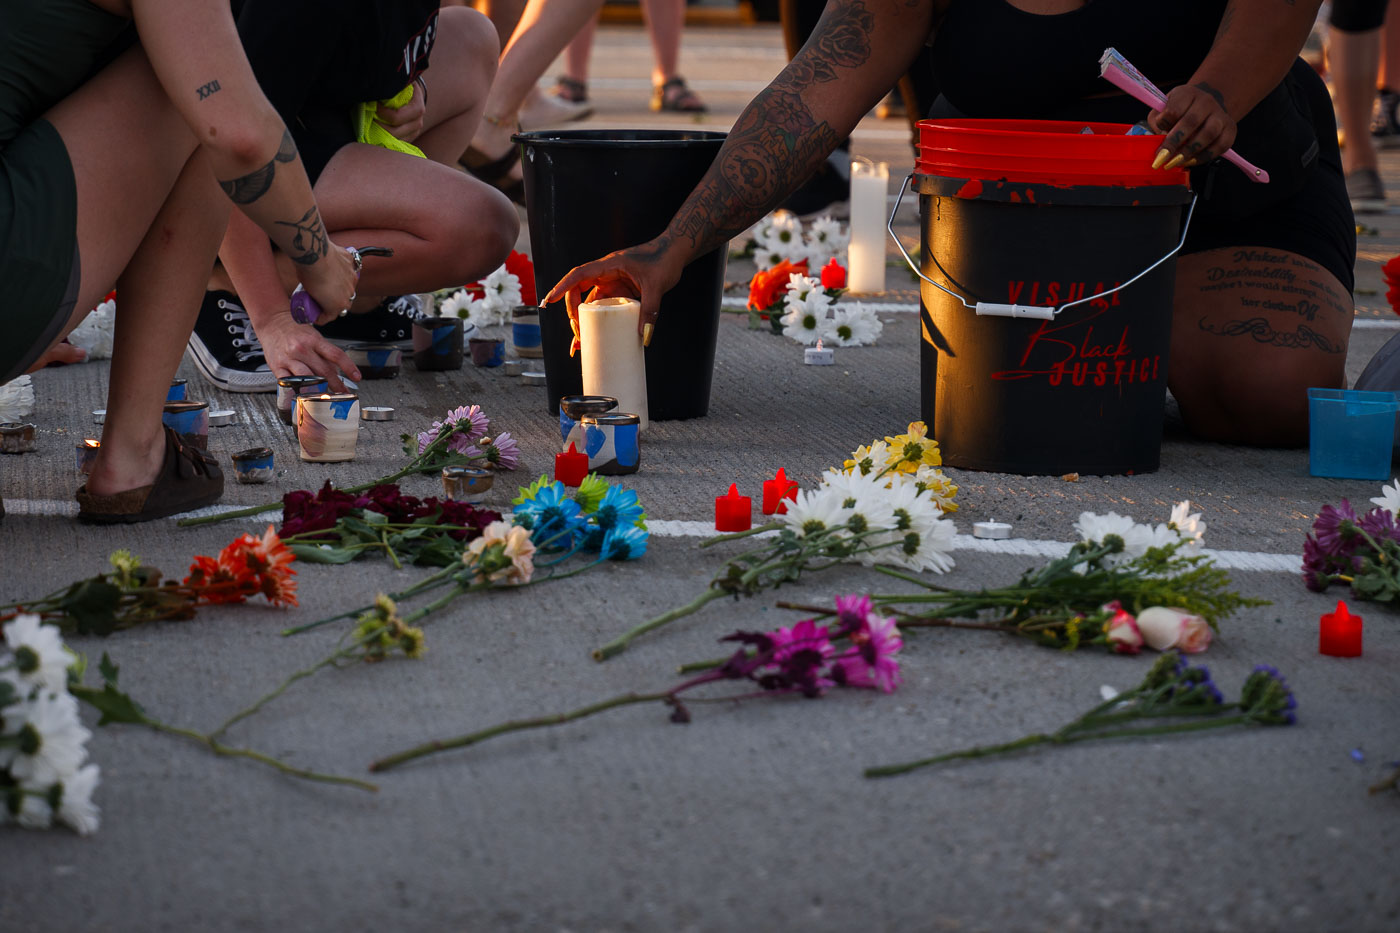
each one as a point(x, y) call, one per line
point(160, 292)
point(664, 21)
point(504, 15)
point(1243, 356)
point(1353, 60)
point(577, 55)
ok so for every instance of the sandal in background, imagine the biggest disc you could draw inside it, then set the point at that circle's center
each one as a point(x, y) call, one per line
point(675, 95)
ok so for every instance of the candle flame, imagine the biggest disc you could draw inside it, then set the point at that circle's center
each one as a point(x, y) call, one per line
point(819, 343)
point(92, 443)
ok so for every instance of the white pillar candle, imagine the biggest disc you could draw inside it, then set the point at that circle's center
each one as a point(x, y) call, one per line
point(869, 213)
point(611, 349)
point(327, 427)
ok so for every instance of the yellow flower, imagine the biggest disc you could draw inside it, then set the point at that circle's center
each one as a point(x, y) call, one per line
point(909, 450)
point(937, 487)
point(868, 459)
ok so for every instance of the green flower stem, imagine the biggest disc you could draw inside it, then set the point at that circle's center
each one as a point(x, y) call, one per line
point(333, 658)
point(516, 725)
point(736, 535)
point(393, 558)
point(441, 601)
point(621, 642)
point(695, 667)
point(1059, 738)
point(229, 752)
point(432, 580)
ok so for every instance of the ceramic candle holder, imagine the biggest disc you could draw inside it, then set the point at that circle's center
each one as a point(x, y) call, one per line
point(466, 483)
point(574, 407)
point(487, 351)
point(190, 420)
point(85, 454)
point(289, 387)
point(376, 361)
point(177, 391)
point(437, 344)
point(612, 442)
point(16, 437)
point(253, 465)
point(525, 332)
point(327, 427)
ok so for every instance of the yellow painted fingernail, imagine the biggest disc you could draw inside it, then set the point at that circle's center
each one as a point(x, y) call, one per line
point(1175, 162)
point(1160, 158)
point(646, 334)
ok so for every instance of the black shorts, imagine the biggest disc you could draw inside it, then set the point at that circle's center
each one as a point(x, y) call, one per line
point(1357, 15)
point(1304, 209)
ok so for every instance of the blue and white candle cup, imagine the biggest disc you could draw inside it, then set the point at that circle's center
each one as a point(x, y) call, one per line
point(574, 407)
point(177, 391)
point(466, 483)
point(525, 332)
point(487, 351)
point(253, 465)
point(289, 387)
point(188, 419)
point(85, 454)
point(376, 361)
point(328, 427)
point(437, 344)
point(612, 442)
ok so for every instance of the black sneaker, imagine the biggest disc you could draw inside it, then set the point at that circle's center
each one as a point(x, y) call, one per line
point(225, 348)
point(391, 322)
point(1366, 191)
point(828, 191)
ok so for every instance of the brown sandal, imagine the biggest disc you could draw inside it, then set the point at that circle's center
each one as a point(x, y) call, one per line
point(676, 95)
point(188, 479)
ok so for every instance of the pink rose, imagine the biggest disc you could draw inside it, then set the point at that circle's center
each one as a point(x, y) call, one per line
point(1122, 629)
point(1164, 628)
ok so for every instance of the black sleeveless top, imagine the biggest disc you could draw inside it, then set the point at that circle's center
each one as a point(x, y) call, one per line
point(994, 60)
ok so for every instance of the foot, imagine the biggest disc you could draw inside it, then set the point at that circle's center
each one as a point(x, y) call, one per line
point(226, 350)
point(1385, 120)
point(673, 94)
point(495, 159)
point(570, 89)
point(541, 109)
point(123, 466)
point(1366, 192)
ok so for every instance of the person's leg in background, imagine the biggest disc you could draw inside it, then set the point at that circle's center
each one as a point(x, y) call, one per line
point(1353, 64)
point(665, 19)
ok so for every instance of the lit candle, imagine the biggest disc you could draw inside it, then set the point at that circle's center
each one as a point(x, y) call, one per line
point(869, 213)
point(571, 466)
point(733, 512)
point(775, 490)
point(613, 361)
point(253, 465)
point(85, 453)
point(1340, 634)
point(818, 355)
point(16, 437)
point(466, 483)
point(289, 387)
point(327, 427)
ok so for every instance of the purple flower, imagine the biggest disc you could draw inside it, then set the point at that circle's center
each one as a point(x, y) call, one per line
point(1330, 531)
point(466, 424)
point(871, 661)
point(503, 453)
point(1266, 697)
point(1380, 525)
point(852, 612)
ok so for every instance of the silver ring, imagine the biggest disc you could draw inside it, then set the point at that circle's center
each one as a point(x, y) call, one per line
point(353, 296)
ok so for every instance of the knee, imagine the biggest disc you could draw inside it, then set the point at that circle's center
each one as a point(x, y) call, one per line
point(483, 234)
point(468, 36)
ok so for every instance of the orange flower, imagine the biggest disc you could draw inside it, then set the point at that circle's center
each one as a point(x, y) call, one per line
point(248, 566)
point(215, 581)
point(767, 286)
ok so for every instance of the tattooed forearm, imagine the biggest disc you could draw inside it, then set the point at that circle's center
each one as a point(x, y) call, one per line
point(254, 185)
point(309, 242)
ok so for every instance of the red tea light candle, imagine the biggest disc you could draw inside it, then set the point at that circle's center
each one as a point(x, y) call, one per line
point(775, 490)
point(1340, 635)
point(571, 466)
point(733, 512)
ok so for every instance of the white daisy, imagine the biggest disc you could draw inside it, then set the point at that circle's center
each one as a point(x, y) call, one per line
point(854, 326)
point(51, 745)
point(765, 259)
point(869, 460)
point(34, 811)
point(826, 241)
point(1136, 538)
point(40, 657)
point(1389, 499)
point(815, 510)
point(502, 289)
point(16, 399)
point(866, 497)
point(75, 806)
point(805, 323)
point(458, 305)
point(807, 290)
point(925, 545)
point(784, 236)
point(1189, 526)
point(931, 482)
point(94, 334)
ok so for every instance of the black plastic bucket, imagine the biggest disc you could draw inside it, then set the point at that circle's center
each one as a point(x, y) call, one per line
point(1084, 391)
point(590, 192)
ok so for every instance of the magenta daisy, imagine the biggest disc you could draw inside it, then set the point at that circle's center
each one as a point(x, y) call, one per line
point(871, 662)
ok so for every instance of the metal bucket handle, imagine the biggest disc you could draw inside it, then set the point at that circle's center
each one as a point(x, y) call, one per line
point(1027, 311)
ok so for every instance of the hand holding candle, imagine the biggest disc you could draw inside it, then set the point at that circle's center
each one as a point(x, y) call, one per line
point(776, 490)
point(1340, 633)
point(733, 512)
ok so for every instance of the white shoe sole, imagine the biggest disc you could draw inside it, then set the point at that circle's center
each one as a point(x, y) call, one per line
point(230, 380)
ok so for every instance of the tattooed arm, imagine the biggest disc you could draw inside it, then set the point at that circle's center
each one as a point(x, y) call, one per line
point(855, 54)
point(194, 49)
point(1254, 47)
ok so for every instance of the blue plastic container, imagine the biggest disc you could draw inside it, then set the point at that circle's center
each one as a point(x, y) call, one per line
point(1351, 433)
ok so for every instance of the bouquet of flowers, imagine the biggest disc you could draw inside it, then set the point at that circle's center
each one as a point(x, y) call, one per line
point(43, 746)
point(491, 300)
point(16, 399)
point(1363, 552)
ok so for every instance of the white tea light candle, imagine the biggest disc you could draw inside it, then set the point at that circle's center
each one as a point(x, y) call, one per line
point(994, 530)
point(818, 355)
point(611, 349)
point(866, 252)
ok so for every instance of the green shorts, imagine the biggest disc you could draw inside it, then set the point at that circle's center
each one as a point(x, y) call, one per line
point(38, 245)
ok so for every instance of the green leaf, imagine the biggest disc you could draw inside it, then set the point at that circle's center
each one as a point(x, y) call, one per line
point(108, 670)
point(7, 693)
point(317, 554)
point(92, 605)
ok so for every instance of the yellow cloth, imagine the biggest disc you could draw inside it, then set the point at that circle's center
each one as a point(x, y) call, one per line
point(373, 132)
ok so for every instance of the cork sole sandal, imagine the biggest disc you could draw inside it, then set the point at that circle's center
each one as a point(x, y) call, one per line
point(188, 479)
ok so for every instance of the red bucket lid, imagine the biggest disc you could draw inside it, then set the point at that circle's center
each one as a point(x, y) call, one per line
point(1052, 152)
